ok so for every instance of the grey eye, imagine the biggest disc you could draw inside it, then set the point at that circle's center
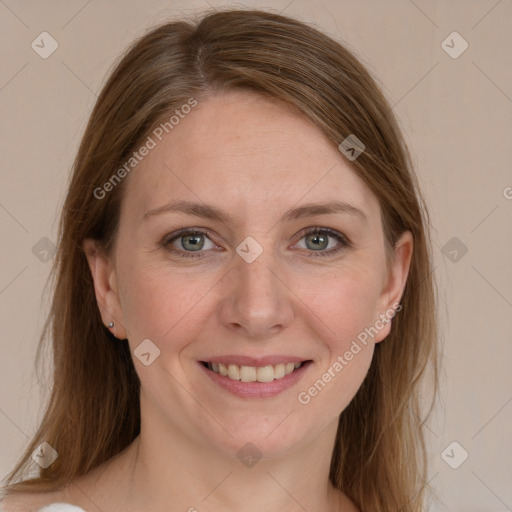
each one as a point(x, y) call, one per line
point(319, 241)
point(192, 242)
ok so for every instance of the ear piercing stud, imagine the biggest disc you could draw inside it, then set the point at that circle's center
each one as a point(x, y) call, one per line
point(110, 326)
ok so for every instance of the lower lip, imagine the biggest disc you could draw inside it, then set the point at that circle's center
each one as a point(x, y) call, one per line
point(256, 389)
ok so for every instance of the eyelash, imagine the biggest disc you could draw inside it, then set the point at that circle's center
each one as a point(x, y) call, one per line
point(344, 242)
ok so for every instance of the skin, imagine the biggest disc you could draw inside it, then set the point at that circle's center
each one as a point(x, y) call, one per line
point(255, 160)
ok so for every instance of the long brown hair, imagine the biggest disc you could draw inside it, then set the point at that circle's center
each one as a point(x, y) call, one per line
point(379, 458)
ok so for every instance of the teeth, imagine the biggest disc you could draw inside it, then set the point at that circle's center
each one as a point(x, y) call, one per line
point(265, 373)
point(254, 374)
point(234, 372)
point(248, 374)
point(279, 371)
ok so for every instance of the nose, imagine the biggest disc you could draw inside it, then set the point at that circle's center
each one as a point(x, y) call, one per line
point(257, 303)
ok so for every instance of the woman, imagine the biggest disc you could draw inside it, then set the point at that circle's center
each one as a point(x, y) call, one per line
point(244, 306)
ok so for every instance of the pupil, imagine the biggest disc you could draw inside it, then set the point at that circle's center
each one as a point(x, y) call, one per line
point(322, 238)
point(196, 245)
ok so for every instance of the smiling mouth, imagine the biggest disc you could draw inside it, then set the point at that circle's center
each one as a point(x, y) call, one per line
point(266, 373)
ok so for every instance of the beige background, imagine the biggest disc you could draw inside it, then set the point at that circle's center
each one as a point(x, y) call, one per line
point(457, 117)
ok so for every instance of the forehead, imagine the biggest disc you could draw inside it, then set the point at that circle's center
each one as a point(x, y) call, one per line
point(241, 149)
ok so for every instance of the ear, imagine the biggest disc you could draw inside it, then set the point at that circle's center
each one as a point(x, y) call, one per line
point(389, 301)
point(105, 287)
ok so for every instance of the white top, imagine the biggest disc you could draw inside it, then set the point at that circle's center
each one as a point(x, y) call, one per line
point(61, 507)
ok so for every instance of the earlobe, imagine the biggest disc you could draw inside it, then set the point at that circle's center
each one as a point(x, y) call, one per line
point(105, 289)
point(389, 303)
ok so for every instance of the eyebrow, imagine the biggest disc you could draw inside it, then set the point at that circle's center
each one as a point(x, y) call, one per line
point(300, 212)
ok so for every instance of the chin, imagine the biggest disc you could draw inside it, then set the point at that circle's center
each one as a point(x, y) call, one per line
point(257, 440)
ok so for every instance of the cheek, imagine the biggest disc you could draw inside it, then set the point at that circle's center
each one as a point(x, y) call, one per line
point(157, 303)
point(345, 303)
point(344, 312)
point(330, 389)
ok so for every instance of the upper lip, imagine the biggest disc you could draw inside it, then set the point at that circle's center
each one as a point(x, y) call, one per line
point(254, 361)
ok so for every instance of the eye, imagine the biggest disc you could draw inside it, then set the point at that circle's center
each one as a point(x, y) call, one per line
point(186, 242)
point(317, 240)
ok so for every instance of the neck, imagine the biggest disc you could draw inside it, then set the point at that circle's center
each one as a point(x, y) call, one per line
point(169, 471)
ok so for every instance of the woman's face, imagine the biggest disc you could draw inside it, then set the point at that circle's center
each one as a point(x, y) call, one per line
point(257, 286)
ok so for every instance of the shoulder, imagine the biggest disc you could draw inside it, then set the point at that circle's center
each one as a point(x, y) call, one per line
point(37, 502)
point(74, 496)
